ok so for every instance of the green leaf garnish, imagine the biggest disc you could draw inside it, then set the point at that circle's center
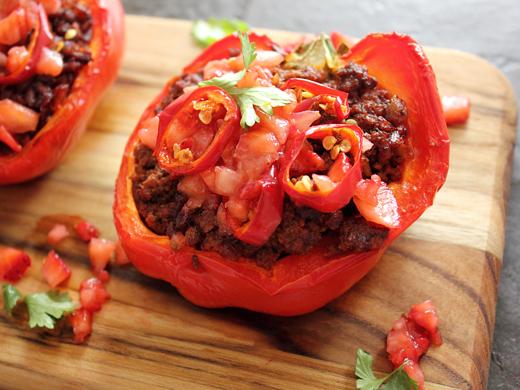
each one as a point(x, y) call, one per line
point(396, 380)
point(319, 53)
point(206, 32)
point(248, 50)
point(11, 297)
point(45, 308)
point(264, 98)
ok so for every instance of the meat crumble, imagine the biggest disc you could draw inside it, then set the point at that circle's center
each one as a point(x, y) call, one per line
point(44, 94)
point(381, 116)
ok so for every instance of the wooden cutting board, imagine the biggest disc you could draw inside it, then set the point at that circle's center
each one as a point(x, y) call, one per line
point(149, 336)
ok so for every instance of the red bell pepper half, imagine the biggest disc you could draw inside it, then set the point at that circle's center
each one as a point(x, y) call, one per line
point(323, 94)
point(178, 149)
point(300, 284)
point(64, 128)
point(224, 49)
point(331, 191)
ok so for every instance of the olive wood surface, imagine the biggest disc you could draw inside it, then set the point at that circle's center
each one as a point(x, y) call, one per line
point(149, 336)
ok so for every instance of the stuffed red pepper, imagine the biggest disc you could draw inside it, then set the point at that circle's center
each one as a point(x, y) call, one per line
point(274, 179)
point(57, 57)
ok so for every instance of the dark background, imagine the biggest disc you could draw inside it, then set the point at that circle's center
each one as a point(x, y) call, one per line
point(490, 29)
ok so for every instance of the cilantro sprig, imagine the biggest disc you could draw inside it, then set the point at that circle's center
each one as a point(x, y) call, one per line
point(11, 297)
point(44, 308)
point(319, 53)
point(396, 380)
point(263, 98)
point(206, 32)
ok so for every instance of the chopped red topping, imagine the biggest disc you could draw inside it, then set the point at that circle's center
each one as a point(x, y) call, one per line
point(81, 322)
point(86, 231)
point(121, 258)
point(456, 109)
point(410, 338)
point(54, 270)
point(58, 233)
point(100, 252)
point(13, 263)
point(92, 294)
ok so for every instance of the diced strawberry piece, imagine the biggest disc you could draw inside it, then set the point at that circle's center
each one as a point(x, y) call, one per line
point(54, 270)
point(121, 258)
point(58, 233)
point(86, 231)
point(13, 263)
point(92, 294)
point(100, 252)
point(81, 322)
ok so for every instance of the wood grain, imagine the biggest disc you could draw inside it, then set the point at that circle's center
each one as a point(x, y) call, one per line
point(148, 336)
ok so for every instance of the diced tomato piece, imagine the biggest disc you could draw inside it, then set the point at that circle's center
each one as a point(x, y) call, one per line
point(14, 27)
point(17, 118)
point(86, 231)
point(13, 263)
point(121, 258)
point(410, 338)
point(456, 109)
point(16, 58)
point(50, 63)
point(425, 315)
point(54, 270)
point(103, 276)
point(100, 252)
point(92, 294)
point(81, 322)
point(57, 234)
point(376, 202)
point(148, 133)
point(8, 139)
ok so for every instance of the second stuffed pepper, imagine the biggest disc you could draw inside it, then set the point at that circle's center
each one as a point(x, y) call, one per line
point(57, 57)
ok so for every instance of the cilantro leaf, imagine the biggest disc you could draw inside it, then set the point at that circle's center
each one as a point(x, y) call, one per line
point(319, 53)
point(226, 81)
point(396, 380)
point(367, 380)
point(399, 380)
point(206, 32)
point(45, 308)
point(248, 50)
point(265, 98)
point(11, 297)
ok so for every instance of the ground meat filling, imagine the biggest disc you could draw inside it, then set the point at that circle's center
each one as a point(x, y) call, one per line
point(381, 116)
point(44, 94)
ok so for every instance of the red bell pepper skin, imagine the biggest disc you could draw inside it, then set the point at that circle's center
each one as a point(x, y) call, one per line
point(300, 284)
point(267, 213)
point(41, 37)
point(338, 197)
point(320, 90)
point(179, 109)
point(456, 109)
point(221, 49)
point(338, 39)
point(68, 123)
